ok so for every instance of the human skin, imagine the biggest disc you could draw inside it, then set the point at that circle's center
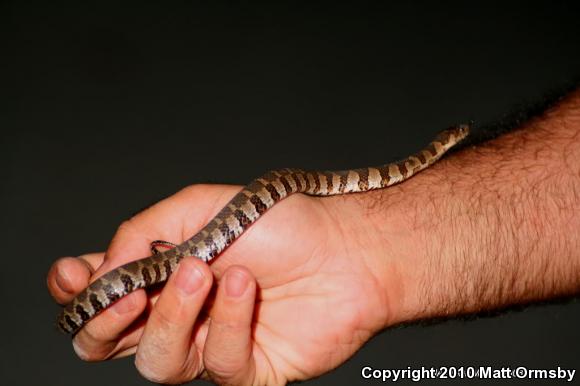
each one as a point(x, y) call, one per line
point(306, 285)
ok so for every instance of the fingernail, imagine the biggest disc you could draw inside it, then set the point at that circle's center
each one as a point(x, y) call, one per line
point(124, 305)
point(189, 277)
point(63, 281)
point(236, 283)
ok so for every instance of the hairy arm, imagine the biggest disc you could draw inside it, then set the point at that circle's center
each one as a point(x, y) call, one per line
point(307, 285)
point(494, 225)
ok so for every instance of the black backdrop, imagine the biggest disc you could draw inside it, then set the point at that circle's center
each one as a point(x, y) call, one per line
point(107, 108)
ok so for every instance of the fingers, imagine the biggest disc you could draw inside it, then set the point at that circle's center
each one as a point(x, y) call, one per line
point(99, 339)
point(165, 353)
point(228, 348)
point(69, 275)
point(106, 335)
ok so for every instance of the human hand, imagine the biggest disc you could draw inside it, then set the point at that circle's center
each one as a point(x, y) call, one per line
point(297, 294)
point(488, 228)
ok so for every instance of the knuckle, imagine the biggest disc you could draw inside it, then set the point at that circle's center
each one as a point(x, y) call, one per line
point(230, 325)
point(88, 355)
point(125, 227)
point(156, 372)
point(192, 190)
point(219, 368)
point(227, 373)
point(51, 279)
point(125, 230)
point(147, 372)
point(60, 288)
point(150, 374)
point(98, 330)
point(163, 321)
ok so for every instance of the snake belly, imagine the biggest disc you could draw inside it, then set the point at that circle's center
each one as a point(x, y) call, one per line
point(240, 212)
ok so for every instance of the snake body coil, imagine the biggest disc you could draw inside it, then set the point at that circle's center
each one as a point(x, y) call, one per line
point(243, 210)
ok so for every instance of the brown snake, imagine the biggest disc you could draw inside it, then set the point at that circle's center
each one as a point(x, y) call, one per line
point(242, 211)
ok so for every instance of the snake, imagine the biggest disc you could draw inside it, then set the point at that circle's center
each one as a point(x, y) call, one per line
point(237, 215)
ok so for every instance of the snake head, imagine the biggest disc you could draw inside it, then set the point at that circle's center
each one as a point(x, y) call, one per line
point(453, 135)
point(462, 131)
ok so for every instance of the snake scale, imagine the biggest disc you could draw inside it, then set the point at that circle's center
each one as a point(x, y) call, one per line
point(242, 211)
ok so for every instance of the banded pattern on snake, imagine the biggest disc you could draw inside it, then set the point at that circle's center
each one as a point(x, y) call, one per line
point(243, 210)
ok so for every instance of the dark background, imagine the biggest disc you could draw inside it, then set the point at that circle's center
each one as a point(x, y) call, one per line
point(107, 108)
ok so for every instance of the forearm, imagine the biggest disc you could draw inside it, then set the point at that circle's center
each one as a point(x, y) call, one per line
point(490, 226)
